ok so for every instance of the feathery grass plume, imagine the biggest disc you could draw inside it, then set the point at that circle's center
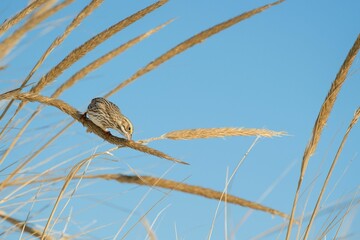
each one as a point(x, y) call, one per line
point(22, 226)
point(198, 38)
point(188, 134)
point(196, 190)
point(321, 120)
point(172, 185)
point(76, 21)
point(20, 16)
point(66, 108)
point(104, 59)
point(316, 208)
point(89, 45)
point(7, 45)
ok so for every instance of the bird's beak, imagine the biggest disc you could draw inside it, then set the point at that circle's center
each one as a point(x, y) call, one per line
point(128, 136)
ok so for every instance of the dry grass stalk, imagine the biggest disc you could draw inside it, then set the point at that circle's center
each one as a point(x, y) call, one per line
point(66, 108)
point(351, 207)
point(20, 16)
point(8, 95)
point(149, 229)
point(329, 209)
point(7, 45)
point(22, 226)
point(68, 179)
point(198, 38)
point(32, 97)
point(103, 59)
point(316, 208)
point(4, 183)
point(76, 21)
point(172, 185)
point(188, 134)
point(16, 138)
point(321, 120)
point(79, 52)
point(44, 8)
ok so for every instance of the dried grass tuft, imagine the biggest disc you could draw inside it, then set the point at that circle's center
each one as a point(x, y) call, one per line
point(188, 134)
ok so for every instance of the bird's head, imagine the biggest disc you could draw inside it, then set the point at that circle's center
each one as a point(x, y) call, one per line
point(125, 127)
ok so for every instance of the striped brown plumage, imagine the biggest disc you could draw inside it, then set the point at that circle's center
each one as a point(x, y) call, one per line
point(106, 114)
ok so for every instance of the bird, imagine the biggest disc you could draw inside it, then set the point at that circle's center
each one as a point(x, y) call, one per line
point(106, 114)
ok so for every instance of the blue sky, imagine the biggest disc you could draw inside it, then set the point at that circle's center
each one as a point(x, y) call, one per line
point(271, 71)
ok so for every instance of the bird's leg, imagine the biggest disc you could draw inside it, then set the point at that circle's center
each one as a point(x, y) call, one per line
point(83, 117)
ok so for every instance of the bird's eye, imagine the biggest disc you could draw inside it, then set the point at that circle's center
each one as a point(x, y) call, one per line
point(129, 128)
